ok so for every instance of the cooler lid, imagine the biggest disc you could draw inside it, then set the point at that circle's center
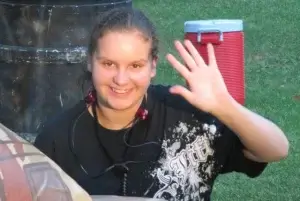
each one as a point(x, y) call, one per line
point(224, 25)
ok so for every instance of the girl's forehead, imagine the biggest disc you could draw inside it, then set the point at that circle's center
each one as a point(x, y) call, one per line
point(130, 35)
point(125, 44)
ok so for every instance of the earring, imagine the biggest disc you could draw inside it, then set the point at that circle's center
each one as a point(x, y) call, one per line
point(91, 97)
point(142, 113)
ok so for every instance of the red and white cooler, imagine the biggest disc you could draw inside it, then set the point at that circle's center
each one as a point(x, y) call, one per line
point(227, 37)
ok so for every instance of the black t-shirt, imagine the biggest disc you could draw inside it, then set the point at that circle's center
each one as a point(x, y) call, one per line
point(184, 151)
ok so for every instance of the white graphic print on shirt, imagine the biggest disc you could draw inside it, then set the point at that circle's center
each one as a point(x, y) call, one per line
point(182, 175)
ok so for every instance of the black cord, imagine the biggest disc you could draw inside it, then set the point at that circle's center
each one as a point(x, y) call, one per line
point(72, 144)
point(120, 166)
point(138, 145)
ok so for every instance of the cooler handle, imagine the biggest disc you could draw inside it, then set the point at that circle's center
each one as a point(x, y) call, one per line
point(209, 30)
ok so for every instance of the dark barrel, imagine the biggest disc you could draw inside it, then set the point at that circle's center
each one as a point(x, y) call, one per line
point(42, 55)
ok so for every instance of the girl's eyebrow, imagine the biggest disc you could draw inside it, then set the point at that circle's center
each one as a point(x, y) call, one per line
point(105, 58)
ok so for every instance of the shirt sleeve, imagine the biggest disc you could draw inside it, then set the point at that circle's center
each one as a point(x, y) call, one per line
point(236, 160)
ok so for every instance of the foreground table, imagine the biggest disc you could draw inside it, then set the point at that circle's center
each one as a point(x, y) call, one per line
point(119, 198)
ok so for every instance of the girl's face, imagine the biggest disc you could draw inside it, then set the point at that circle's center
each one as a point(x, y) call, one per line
point(122, 69)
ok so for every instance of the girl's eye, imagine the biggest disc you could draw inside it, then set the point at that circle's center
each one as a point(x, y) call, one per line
point(108, 64)
point(136, 66)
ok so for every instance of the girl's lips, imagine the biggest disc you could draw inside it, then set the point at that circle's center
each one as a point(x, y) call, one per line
point(120, 92)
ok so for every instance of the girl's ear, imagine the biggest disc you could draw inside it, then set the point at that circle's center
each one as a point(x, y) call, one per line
point(89, 64)
point(89, 67)
point(154, 64)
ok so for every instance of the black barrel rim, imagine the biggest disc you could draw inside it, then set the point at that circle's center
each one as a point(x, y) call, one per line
point(108, 2)
point(18, 54)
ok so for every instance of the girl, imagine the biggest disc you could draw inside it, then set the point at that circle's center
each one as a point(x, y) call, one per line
point(131, 138)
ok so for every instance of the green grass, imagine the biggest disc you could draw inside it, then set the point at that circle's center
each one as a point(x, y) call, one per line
point(272, 47)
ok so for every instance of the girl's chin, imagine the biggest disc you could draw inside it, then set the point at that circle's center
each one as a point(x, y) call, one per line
point(121, 100)
point(122, 104)
point(117, 105)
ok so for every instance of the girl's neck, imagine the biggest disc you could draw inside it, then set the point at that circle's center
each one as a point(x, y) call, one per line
point(114, 119)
